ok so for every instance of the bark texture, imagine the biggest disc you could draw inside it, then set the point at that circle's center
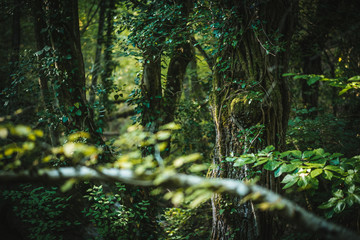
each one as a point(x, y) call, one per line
point(250, 107)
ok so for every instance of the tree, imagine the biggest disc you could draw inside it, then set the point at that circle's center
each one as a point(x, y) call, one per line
point(69, 84)
point(250, 103)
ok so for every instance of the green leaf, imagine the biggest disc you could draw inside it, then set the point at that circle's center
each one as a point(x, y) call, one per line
point(77, 104)
point(328, 175)
point(269, 149)
point(65, 119)
point(230, 159)
point(272, 165)
point(307, 154)
point(347, 88)
point(334, 168)
point(303, 181)
point(327, 204)
point(319, 151)
point(288, 74)
point(294, 153)
point(68, 185)
point(241, 161)
point(313, 80)
point(78, 112)
point(261, 161)
point(339, 193)
point(290, 180)
point(355, 78)
point(300, 77)
point(278, 171)
point(289, 167)
point(356, 198)
point(316, 173)
point(340, 206)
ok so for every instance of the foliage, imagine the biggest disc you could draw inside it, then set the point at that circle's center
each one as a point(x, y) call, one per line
point(180, 223)
point(106, 213)
point(43, 209)
point(345, 84)
point(311, 171)
point(324, 131)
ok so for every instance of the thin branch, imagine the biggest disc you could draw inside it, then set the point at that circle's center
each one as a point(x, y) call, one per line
point(286, 208)
point(90, 19)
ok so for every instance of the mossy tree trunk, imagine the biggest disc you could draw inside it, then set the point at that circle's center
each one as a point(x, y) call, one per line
point(250, 106)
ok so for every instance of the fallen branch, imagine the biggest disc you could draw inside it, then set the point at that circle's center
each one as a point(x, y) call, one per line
point(286, 208)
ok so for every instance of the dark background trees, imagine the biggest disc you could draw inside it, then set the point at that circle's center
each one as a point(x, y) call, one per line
point(220, 71)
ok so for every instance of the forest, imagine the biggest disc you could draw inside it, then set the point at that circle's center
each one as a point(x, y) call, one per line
point(180, 119)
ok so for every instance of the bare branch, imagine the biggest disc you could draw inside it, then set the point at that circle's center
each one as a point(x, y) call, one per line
point(286, 208)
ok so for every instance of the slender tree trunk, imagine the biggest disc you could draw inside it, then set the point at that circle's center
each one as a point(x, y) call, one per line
point(99, 42)
point(262, 106)
point(108, 59)
point(42, 40)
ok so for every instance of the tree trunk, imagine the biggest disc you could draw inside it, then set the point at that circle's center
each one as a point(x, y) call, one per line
point(70, 85)
point(42, 40)
point(181, 57)
point(108, 61)
point(250, 107)
point(99, 42)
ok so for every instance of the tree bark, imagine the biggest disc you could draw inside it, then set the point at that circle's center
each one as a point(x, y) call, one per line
point(99, 42)
point(250, 107)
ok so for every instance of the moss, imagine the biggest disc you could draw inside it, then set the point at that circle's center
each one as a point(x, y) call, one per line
point(237, 106)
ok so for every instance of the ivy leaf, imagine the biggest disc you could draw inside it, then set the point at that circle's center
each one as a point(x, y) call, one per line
point(78, 113)
point(65, 119)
